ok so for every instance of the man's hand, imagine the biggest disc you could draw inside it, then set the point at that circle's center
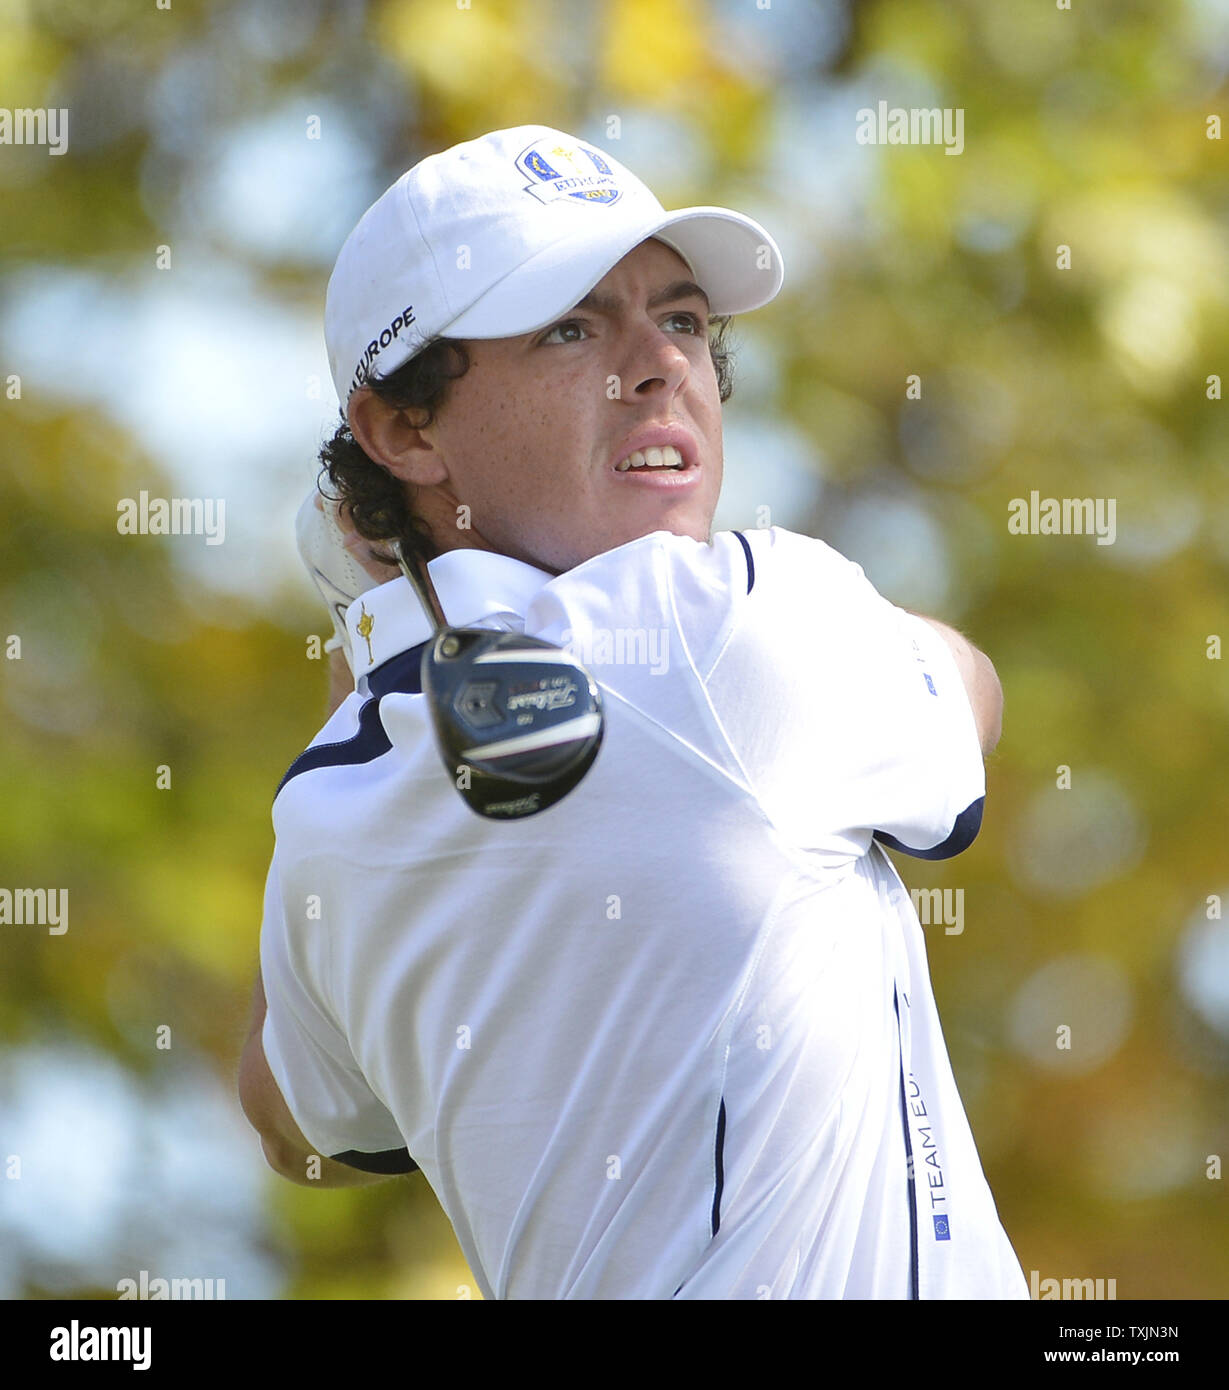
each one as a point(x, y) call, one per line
point(342, 565)
point(363, 550)
point(285, 1149)
point(981, 682)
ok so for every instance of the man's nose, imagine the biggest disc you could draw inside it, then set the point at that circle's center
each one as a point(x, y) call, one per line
point(656, 363)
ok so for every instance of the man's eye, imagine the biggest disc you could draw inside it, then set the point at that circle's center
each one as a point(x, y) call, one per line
point(563, 328)
point(693, 320)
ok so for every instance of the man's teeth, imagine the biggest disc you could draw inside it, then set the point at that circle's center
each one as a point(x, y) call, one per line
point(665, 457)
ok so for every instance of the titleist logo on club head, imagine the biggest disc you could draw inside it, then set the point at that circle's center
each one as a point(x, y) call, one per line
point(558, 693)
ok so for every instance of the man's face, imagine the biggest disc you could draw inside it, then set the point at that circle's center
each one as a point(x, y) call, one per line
point(533, 433)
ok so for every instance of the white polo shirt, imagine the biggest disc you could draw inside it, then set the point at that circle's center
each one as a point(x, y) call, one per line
point(675, 1035)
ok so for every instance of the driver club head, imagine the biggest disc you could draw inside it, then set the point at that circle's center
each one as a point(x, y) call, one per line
point(517, 721)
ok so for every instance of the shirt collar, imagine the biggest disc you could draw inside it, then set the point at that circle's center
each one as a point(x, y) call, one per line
point(476, 588)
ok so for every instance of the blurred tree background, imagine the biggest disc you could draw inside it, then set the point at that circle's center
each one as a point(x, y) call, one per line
point(160, 329)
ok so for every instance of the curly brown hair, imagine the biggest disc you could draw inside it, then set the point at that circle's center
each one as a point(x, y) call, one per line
point(377, 502)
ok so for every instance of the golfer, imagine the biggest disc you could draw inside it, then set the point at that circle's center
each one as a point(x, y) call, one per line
point(673, 1036)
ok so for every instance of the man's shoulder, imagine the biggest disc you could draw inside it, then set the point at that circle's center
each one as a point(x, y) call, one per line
point(789, 562)
point(730, 564)
point(768, 541)
point(791, 545)
point(342, 740)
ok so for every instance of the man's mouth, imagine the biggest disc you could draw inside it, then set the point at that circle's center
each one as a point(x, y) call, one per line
point(644, 460)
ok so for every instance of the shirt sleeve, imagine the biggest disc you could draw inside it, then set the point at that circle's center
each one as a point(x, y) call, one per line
point(308, 1055)
point(938, 810)
point(848, 716)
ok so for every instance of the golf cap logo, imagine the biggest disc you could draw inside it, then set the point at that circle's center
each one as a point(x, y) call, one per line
point(561, 170)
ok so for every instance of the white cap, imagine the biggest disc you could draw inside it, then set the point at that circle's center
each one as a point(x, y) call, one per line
point(499, 236)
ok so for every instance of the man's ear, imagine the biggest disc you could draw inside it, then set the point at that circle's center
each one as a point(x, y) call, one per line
point(384, 433)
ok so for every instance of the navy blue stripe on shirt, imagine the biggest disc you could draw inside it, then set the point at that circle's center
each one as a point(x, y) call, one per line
point(750, 562)
point(364, 747)
point(388, 1161)
point(964, 832)
point(401, 674)
point(719, 1155)
point(904, 1115)
point(720, 1183)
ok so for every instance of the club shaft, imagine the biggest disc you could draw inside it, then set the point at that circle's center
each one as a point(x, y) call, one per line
point(420, 581)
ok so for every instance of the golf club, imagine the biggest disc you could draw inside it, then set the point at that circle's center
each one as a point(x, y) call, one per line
point(517, 721)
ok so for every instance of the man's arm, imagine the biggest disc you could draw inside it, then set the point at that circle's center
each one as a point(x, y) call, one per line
point(981, 681)
point(285, 1149)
